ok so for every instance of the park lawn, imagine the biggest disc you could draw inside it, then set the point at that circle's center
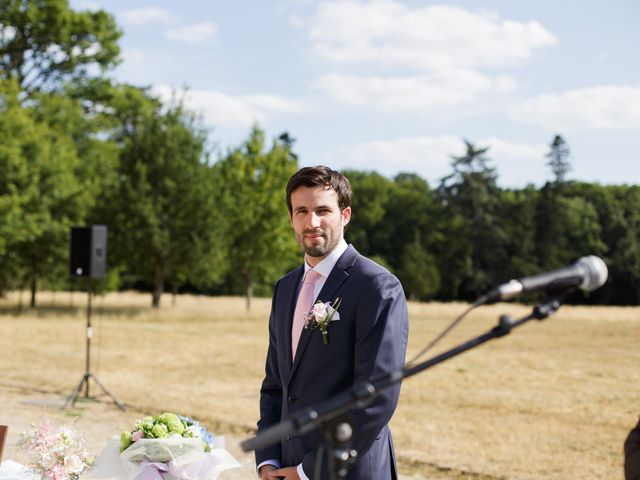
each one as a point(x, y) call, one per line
point(553, 399)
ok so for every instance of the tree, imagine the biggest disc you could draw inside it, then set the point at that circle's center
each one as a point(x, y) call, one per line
point(471, 192)
point(161, 216)
point(371, 193)
point(518, 215)
point(409, 216)
point(44, 43)
point(40, 191)
point(250, 192)
point(559, 159)
point(418, 271)
point(552, 211)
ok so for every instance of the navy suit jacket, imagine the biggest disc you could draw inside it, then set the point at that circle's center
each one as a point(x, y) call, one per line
point(369, 338)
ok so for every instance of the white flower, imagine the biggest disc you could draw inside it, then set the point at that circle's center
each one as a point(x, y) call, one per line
point(193, 432)
point(49, 460)
point(73, 464)
point(319, 311)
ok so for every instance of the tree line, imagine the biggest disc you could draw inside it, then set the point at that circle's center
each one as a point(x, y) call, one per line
point(79, 148)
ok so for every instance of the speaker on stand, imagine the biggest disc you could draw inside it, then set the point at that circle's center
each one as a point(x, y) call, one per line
point(88, 259)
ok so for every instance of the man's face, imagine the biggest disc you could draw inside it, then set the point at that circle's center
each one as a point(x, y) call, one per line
point(317, 221)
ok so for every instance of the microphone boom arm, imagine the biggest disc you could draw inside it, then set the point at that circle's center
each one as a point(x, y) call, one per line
point(360, 395)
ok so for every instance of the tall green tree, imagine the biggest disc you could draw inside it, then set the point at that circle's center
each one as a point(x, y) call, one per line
point(18, 132)
point(161, 216)
point(371, 194)
point(251, 192)
point(45, 43)
point(40, 188)
point(559, 159)
point(471, 191)
point(553, 211)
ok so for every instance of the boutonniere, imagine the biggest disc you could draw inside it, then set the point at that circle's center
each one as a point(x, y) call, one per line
point(320, 315)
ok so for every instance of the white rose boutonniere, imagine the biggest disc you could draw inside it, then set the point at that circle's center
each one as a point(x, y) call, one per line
point(321, 315)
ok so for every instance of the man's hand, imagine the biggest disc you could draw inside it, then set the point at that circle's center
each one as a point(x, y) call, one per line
point(265, 470)
point(289, 473)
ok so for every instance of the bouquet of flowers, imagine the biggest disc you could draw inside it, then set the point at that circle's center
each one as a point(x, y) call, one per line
point(56, 453)
point(169, 426)
point(165, 446)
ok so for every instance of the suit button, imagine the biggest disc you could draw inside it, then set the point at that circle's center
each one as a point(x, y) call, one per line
point(292, 398)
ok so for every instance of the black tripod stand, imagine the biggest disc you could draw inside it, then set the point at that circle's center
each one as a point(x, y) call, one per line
point(87, 372)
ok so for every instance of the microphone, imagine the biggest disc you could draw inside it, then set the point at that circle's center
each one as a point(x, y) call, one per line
point(588, 273)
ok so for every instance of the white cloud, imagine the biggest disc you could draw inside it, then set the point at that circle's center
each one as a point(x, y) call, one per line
point(387, 32)
point(193, 34)
point(427, 156)
point(220, 109)
point(144, 16)
point(133, 55)
point(607, 107)
point(513, 151)
point(425, 92)
point(92, 6)
point(273, 103)
point(517, 164)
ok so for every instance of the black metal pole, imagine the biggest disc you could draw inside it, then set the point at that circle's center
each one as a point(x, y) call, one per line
point(87, 369)
point(71, 400)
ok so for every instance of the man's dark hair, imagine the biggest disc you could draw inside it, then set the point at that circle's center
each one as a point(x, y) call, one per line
point(320, 176)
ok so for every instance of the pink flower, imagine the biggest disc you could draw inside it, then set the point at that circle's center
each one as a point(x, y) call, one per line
point(56, 453)
point(58, 473)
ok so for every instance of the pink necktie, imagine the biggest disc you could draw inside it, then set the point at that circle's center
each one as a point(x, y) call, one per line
point(303, 305)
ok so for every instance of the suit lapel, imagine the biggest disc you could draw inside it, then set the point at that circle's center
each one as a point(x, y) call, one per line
point(290, 298)
point(336, 278)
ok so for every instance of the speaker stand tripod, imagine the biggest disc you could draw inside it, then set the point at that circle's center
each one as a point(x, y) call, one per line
point(84, 382)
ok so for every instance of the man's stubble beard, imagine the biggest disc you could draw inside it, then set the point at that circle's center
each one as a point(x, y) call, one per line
point(320, 250)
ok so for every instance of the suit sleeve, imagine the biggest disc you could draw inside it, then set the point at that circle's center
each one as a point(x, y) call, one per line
point(382, 330)
point(632, 454)
point(270, 392)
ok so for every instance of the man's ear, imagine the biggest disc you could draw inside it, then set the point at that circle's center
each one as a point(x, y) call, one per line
point(346, 216)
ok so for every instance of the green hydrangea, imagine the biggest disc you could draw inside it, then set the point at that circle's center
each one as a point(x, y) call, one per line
point(172, 422)
point(160, 430)
point(146, 424)
point(164, 426)
point(125, 441)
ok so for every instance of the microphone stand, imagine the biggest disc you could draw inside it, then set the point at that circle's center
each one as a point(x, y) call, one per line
point(330, 415)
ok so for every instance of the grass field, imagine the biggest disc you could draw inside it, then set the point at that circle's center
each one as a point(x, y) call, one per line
point(553, 400)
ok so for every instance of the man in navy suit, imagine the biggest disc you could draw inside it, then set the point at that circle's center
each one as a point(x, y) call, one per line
point(366, 336)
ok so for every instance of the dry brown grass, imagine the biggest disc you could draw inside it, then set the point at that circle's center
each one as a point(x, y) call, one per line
point(551, 400)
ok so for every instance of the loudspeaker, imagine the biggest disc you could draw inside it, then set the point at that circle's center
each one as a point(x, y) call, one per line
point(88, 253)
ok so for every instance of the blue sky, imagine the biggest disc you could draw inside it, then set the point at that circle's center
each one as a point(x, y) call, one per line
point(394, 86)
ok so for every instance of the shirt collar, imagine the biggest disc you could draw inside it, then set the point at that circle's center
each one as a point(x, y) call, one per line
point(325, 265)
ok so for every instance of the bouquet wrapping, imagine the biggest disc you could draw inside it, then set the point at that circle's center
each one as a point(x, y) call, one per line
point(165, 447)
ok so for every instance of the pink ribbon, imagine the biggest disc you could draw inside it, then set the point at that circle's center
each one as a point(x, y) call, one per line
point(154, 470)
